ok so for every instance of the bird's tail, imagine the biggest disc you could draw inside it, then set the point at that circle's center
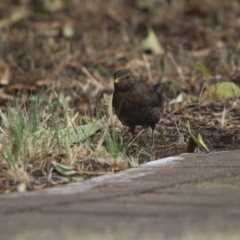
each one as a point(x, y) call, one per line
point(160, 87)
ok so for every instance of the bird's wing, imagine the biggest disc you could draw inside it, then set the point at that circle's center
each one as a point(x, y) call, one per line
point(152, 96)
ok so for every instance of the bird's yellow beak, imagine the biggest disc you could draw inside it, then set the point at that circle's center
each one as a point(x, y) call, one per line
point(117, 81)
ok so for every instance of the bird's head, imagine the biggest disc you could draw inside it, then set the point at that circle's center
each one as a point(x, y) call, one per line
point(123, 79)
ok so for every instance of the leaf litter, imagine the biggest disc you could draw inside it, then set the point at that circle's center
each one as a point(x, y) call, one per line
point(61, 57)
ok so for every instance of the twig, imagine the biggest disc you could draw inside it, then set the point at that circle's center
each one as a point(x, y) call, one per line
point(147, 65)
point(179, 69)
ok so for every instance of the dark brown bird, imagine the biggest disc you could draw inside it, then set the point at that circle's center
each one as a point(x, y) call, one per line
point(135, 103)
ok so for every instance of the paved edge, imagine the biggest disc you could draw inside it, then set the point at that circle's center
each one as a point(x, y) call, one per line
point(86, 185)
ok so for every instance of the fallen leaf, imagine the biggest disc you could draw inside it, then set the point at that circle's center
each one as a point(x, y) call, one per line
point(21, 87)
point(16, 16)
point(151, 43)
point(22, 187)
point(183, 97)
point(53, 5)
point(222, 90)
point(5, 77)
point(195, 141)
point(68, 31)
point(82, 132)
point(199, 68)
point(63, 169)
point(78, 179)
point(115, 168)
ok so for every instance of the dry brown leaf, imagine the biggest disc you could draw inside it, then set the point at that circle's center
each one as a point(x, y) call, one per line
point(115, 168)
point(53, 5)
point(16, 16)
point(47, 25)
point(5, 77)
point(21, 86)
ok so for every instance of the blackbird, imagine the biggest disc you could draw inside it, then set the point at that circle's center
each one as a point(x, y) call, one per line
point(135, 103)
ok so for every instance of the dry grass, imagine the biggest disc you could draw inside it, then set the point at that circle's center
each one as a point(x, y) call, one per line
point(34, 135)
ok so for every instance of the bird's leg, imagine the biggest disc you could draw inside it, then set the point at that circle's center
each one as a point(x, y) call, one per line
point(131, 129)
point(134, 136)
point(152, 137)
point(153, 127)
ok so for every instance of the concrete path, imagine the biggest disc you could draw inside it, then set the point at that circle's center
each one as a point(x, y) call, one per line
point(192, 196)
